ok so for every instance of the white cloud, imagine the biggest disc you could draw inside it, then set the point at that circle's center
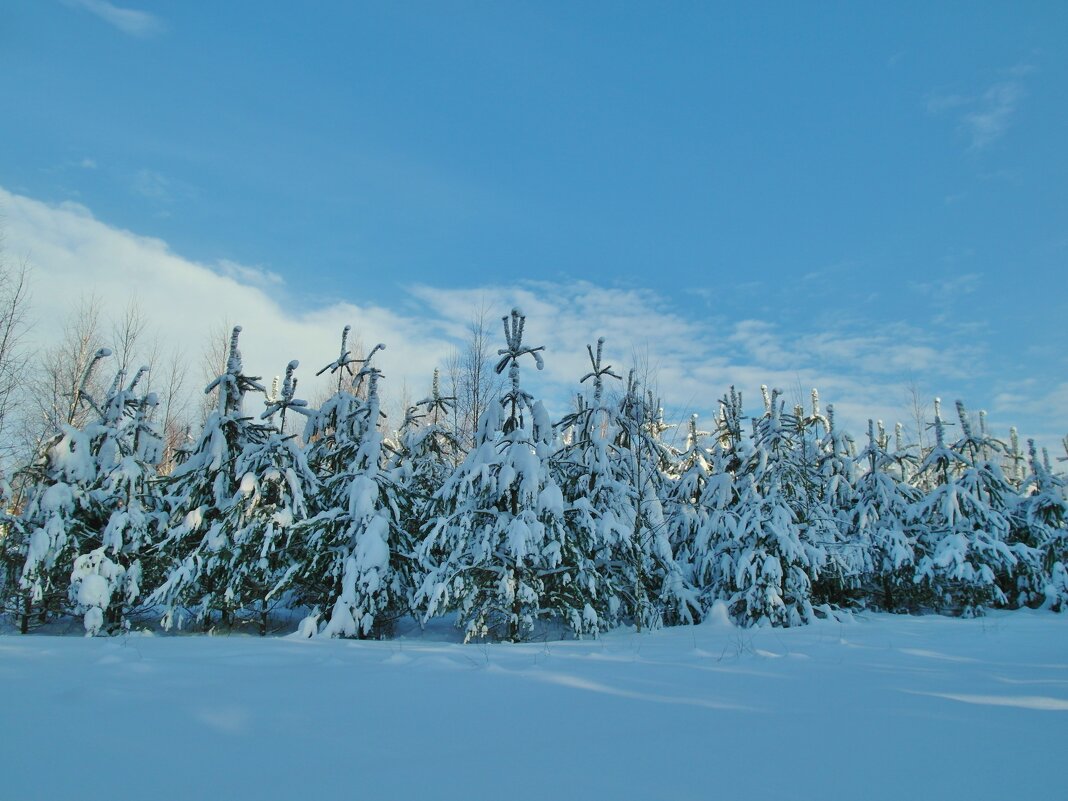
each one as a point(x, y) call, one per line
point(251, 276)
point(1022, 69)
point(861, 368)
point(985, 117)
point(73, 253)
point(990, 119)
point(947, 288)
point(938, 103)
point(152, 185)
point(1036, 400)
point(128, 20)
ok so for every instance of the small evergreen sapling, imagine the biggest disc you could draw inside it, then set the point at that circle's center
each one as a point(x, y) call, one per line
point(961, 526)
point(690, 499)
point(655, 588)
point(498, 552)
point(425, 456)
point(848, 556)
point(92, 511)
point(713, 576)
point(1041, 520)
point(597, 501)
point(358, 561)
point(271, 500)
point(61, 516)
point(879, 526)
point(130, 450)
point(768, 564)
point(200, 492)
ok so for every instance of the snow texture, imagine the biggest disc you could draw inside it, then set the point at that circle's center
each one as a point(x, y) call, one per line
point(881, 707)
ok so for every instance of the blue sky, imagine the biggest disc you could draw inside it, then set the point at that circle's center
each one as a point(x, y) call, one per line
point(861, 195)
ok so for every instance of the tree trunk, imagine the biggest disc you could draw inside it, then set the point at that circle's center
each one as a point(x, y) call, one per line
point(27, 610)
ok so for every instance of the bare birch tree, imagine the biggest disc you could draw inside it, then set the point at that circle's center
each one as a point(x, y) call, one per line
point(55, 395)
point(14, 324)
point(473, 382)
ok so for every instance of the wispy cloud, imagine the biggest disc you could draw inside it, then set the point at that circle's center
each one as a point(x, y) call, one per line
point(152, 185)
point(938, 103)
point(989, 121)
point(1033, 399)
point(861, 368)
point(250, 276)
point(128, 20)
point(85, 163)
point(984, 117)
point(948, 288)
point(1021, 70)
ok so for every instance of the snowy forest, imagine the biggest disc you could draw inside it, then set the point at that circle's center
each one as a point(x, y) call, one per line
point(332, 519)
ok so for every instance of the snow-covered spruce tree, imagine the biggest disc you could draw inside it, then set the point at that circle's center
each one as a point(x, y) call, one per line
point(498, 552)
point(358, 562)
point(879, 527)
point(275, 484)
point(769, 566)
point(1040, 520)
point(904, 461)
point(425, 456)
point(690, 497)
point(333, 428)
point(818, 474)
point(107, 580)
point(90, 507)
point(333, 434)
point(60, 516)
point(196, 551)
point(961, 526)
point(654, 587)
point(985, 478)
point(597, 502)
point(730, 434)
point(712, 576)
point(804, 435)
point(848, 557)
point(1014, 462)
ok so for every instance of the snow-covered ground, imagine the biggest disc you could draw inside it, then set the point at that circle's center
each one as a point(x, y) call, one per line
point(880, 707)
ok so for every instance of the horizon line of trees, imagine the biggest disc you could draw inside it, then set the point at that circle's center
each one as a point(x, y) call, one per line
point(516, 524)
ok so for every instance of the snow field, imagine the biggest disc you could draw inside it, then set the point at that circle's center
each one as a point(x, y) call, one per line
point(880, 707)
